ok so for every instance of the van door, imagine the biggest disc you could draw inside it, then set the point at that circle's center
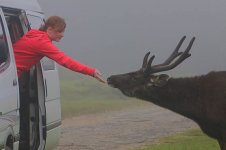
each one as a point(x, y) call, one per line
point(53, 106)
point(9, 91)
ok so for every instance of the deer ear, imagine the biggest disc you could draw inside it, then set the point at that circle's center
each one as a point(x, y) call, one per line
point(159, 80)
point(163, 77)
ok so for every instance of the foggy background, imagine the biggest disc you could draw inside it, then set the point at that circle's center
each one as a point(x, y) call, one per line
point(114, 35)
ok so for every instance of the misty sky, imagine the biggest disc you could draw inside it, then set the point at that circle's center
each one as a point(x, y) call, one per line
point(114, 35)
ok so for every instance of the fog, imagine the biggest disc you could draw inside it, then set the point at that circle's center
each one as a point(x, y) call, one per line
point(114, 35)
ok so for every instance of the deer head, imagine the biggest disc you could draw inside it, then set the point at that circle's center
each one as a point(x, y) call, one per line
point(145, 77)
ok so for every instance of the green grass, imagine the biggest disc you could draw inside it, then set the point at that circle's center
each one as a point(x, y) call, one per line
point(82, 94)
point(189, 140)
point(79, 107)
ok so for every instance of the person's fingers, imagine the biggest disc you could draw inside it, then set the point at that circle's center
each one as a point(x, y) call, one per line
point(98, 72)
point(99, 77)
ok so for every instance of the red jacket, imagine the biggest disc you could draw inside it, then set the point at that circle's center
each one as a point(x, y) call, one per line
point(34, 45)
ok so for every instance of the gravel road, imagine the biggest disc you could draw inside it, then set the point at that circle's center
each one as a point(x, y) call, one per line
point(122, 130)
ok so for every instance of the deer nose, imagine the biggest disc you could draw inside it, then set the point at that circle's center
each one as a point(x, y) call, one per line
point(108, 80)
point(110, 83)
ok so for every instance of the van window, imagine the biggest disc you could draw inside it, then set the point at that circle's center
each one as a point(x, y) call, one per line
point(35, 22)
point(14, 27)
point(24, 22)
point(4, 51)
point(48, 64)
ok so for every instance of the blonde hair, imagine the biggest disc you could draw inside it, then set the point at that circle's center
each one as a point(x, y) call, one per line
point(55, 22)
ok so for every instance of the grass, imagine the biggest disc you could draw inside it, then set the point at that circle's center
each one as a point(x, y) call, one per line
point(79, 107)
point(81, 94)
point(190, 140)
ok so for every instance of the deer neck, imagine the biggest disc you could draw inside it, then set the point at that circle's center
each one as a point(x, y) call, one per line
point(179, 95)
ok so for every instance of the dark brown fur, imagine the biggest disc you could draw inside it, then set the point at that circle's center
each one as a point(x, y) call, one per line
point(200, 98)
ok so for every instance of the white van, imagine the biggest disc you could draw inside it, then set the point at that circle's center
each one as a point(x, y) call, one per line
point(40, 85)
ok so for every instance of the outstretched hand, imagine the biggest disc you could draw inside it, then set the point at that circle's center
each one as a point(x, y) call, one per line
point(98, 75)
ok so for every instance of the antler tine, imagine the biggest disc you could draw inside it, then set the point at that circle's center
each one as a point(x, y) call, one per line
point(148, 68)
point(175, 52)
point(190, 45)
point(184, 55)
point(145, 61)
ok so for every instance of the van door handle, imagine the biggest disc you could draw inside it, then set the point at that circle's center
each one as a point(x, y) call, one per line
point(14, 82)
point(46, 90)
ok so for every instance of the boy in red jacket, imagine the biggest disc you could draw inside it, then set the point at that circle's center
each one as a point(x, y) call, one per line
point(36, 44)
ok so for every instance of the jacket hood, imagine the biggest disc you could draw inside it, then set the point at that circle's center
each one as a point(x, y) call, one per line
point(34, 33)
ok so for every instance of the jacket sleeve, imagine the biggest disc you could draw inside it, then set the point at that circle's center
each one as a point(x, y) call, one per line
point(51, 51)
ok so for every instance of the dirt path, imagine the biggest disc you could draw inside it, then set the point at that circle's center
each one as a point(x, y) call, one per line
point(122, 130)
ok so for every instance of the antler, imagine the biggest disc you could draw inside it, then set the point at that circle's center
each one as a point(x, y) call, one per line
point(171, 57)
point(167, 65)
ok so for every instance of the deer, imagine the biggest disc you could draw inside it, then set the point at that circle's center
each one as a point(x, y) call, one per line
point(201, 98)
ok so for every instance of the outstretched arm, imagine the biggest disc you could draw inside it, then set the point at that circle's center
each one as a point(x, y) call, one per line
point(51, 51)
